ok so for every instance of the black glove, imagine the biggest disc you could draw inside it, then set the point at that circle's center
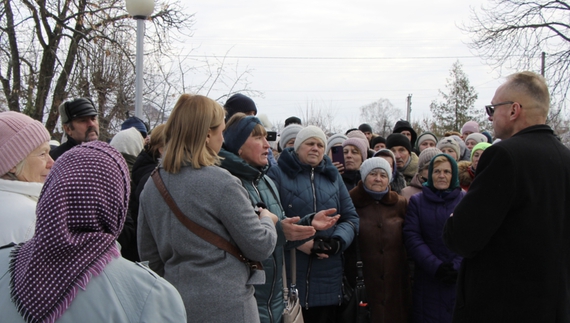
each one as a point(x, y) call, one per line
point(329, 246)
point(446, 274)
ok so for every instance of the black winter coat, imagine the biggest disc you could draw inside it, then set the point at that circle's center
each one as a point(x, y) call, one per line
point(513, 228)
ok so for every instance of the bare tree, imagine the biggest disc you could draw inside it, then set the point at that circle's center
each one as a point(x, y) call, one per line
point(321, 115)
point(514, 33)
point(42, 42)
point(381, 115)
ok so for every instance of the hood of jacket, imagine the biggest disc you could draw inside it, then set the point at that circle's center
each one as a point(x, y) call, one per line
point(360, 198)
point(292, 166)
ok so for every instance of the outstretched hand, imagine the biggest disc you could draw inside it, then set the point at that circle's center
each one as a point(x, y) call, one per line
point(324, 219)
point(294, 232)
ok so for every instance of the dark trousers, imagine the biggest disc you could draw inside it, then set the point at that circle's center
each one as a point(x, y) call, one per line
point(320, 314)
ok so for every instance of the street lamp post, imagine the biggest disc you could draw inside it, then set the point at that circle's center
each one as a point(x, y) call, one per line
point(140, 10)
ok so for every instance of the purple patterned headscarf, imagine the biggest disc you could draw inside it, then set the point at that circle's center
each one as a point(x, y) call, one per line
point(80, 214)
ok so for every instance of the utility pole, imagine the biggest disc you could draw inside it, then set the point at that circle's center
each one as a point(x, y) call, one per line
point(543, 62)
point(409, 108)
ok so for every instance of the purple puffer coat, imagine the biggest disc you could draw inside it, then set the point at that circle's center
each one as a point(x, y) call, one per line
point(427, 212)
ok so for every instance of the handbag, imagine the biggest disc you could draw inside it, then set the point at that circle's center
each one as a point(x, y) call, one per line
point(292, 312)
point(354, 308)
point(257, 274)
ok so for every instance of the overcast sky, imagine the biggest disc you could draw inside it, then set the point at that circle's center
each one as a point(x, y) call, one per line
point(342, 54)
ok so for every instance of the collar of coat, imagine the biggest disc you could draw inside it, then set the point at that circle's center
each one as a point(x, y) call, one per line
point(412, 168)
point(239, 167)
point(290, 164)
point(362, 199)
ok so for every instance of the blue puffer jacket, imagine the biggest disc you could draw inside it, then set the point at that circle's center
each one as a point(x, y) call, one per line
point(304, 189)
point(433, 301)
point(260, 188)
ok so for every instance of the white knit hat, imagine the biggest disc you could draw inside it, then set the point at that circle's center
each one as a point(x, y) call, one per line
point(310, 132)
point(374, 163)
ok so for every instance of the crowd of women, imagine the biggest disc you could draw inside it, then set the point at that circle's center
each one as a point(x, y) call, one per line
point(219, 247)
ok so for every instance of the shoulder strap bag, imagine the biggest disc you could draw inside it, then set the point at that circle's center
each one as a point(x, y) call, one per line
point(354, 308)
point(199, 230)
point(292, 312)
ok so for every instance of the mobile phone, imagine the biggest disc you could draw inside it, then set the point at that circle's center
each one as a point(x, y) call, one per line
point(271, 136)
point(337, 154)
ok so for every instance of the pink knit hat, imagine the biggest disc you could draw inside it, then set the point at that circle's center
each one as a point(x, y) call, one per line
point(19, 136)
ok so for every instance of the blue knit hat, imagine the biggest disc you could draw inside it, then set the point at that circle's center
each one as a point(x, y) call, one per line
point(236, 135)
point(136, 123)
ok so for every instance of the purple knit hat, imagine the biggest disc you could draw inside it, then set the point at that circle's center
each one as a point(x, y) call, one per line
point(80, 214)
point(19, 136)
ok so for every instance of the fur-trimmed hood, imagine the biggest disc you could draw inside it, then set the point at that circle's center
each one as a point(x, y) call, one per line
point(361, 199)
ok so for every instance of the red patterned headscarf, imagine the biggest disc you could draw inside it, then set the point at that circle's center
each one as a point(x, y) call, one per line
point(80, 214)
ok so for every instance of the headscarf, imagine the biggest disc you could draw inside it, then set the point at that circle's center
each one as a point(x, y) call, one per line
point(80, 214)
point(454, 173)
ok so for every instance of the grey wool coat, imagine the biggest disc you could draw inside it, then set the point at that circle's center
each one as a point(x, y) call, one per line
point(212, 283)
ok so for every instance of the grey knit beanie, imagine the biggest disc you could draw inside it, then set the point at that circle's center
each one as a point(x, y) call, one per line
point(288, 133)
point(451, 143)
point(373, 163)
point(335, 139)
point(426, 155)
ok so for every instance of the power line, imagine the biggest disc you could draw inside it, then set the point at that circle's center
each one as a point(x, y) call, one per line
point(331, 58)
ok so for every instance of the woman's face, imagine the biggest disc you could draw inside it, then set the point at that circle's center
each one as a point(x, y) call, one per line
point(216, 138)
point(428, 143)
point(476, 156)
point(311, 152)
point(290, 143)
point(379, 146)
point(377, 180)
point(255, 150)
point(441, 176)
point(470, 144)
point(450, 151)
point(36, 165)
point(352, 157)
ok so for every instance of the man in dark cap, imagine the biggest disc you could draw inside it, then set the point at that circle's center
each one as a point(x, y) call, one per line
point(406, 160)
point(80, 123)
point(293, 120)
point(366, 130)
point(240, 103)
point(405, 128)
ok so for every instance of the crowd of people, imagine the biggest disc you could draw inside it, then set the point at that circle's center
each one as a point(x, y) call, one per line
point(202, 219)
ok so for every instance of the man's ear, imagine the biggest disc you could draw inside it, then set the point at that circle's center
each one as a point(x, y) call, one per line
point(516, 110)
point(67, 129)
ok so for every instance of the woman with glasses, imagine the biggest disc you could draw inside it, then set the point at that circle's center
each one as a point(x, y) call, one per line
point(436, 267)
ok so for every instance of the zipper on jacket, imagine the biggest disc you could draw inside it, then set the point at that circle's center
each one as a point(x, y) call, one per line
point(270, 299)
point(314, 191)
point(310, 258)
point(307, 282)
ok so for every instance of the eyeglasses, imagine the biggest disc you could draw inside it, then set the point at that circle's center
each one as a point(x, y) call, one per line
point(491, 107)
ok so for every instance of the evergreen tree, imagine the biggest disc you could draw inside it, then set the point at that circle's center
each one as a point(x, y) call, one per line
point(458, 105)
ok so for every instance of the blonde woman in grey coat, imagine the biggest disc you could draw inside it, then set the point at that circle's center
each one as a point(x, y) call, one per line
point(214, 285)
